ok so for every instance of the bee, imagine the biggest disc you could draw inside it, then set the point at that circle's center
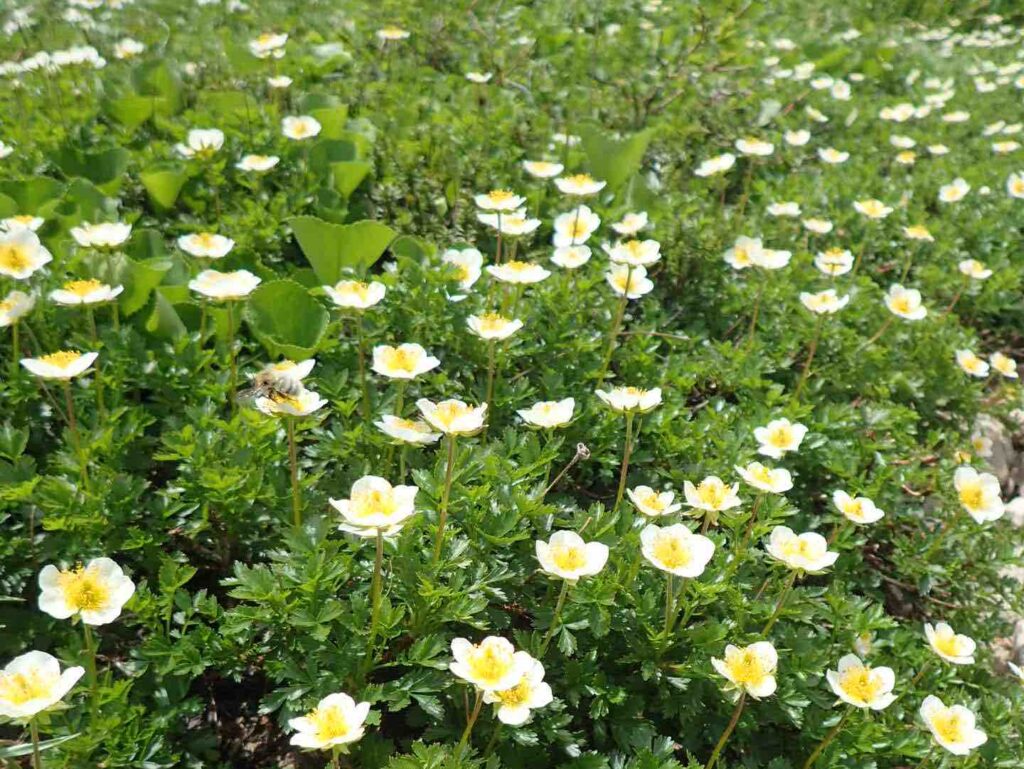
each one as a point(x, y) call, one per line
point(271, 382)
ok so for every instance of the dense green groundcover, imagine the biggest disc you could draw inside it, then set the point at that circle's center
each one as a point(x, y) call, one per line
point(242, 620)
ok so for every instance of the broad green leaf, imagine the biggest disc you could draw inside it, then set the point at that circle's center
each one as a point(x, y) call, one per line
point(131, 111)
point(35, 195)
point(156, 78)
point(332, 120)
point(333, 248)
point(328, 151)
point(163, 185)
point(614, 160)
point(140, 280)
point(105, 168)
point(163, 320)
point(229, 107)
point(286, 319)
point(348, 175)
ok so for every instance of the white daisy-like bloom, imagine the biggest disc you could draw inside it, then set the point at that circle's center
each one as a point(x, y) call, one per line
point(267, 45)
point(499, 200)
point(902, 142)
point(712, 494)
point(32, 683)
point(300, 127)
point(981, 445)
point(22, 253)
point(1005, 147)
point(567, 556)
point(257, 163)
point(814, 114)
point(859, 510)
point(1017, 671)
point(918, 232)
point(65, 364)
point(1015, 185)
point(102, 234)
point(954, 192)
point(631, 223)
point(127, 48)
point(571, 257)
point(206, 245)
point(833, 156)
point(375, 505)
point(79, 292)
point(807, 552)
point(96, 592)
point(834, 262)
point(773, 480)
point(631, 282)
point(716, 165)
point(949, 645)
point(905, 302)
point(1004, 364)
point(515, 704)
point(453, 417)
point(750, 669)
point(676, 550)
point(15, 306)
point(953, 728)
point(822, 82)
point(938, 150)
point(479, 77)
point(745, 252)
point(224, 285)
point(391, 34)
point(654, 504)
point(818, 226)
point(514, 223)
point(406, 361)
point(784, 208)
point(755, 147)
point(974, 269)
point(575, 227)
point(337, 720)
point(841, 90)
point(492, 326)
point(779, 437)
point(542, 169)
point(971, 363)
point(579, 184)
point(549, 414)
point(466, 263)
point(299, 404)
point(630, 399)
point(201, 143)
point(906, 158)
point(21, 222)
point(5, 150)
point(356, 294)
point(979, 494)
point(862, 686)
point(872, 208)
point(412, 431)
point(959, 116)
point(637, 253)
point(826, 302)
point(279, 82)
point(493, 665)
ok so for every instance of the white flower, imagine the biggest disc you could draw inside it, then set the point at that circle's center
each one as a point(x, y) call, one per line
point(803, 552)
point(518, 272)
point(952, 727)
point(938, 149)
point(638, 253)
point(918, 232)
point(676, 550)
point(543, 169)
point(1006, 147)
point(711, 494)
point(779, 436)
point(631, 223)
point(493, 665)
point(499, 200)
point(959, 116)
point(126, 48)
point(79, 292)
point(571, 257)
point(654, 503)
point(201, 143)
point(974, 269)
point(579, 184)
point(841, 91)
point(206, 245)
point(750, 669)
point(479, 77)
point(568, 557)
point(21, 253)
point(388, 34)
point(775, 480)
point(23, 222)
point(355, 294)
point(862, 686)
point(575, 227)
point(952, 647)
point(14, 307)
point(410, 431)
point(1004, 365)
point(406, 361)
point(257, 162)
point(96, 592)
point(971, 363)
point(631, 282)
point(833, 156)
point(954, 192)
point(5, 150)
point(513, 223)
point(797, 138)
point(859, 510)
point(826, 302)
point(65, 364)
point(905, 302)
point(834, 262)
point(716, 165)
point(453, 417)
point(549, 414)
point(337, 720)
point(1015, 185)
point(493, 327)
point(268, 44)
point(755, 147)
point(814, 114)
point(375, 505)
point(300, 404)
point(818, 226)
point(772, 258)
point(744, 253)
point(514, 704)
point(467, 265)
point(630, 399)
point(300, 127)
point(32, 683)
point(279, 82)
point(873, 209)
point(979, 494)
point(224, 285)
point(102, 235)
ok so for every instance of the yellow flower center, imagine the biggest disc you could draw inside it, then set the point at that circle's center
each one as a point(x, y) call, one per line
point(971, 496)
point(491, 322)
point(568, 558)
point(873, 208)
point(489, 664)
point(82, 287)
point(797, 547)
point(781, 437)
point(500, 196)
point(329, 723)
point(375, 502)
point(83, 589)
point(354, 288)
point(447, 413)
point(860, 685)
point(14, 257)
point(206, 239)
point(762, 474)
point(652, 500)
point(517, 696)
point(19, 688)
point(948, 644)
point(400, 358)
point(407, 424)
point(61, 359)
point(918, 231)
point(265, 39)
point(518, 266)
point(1018, 186)
point(579, 180)
point(745, 667)
point(670, 552)
point(711, 493)
point(901, 304)
point(948, 726)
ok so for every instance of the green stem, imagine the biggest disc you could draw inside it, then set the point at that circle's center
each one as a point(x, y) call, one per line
point(555, 618)
point(756, 312)
point(669, 604)
point(780, 603)
point(293, 461)
point(810, 356)
point(470, 723)
point(361, 356)
point(728, 731)
point(494, 739)
point(232, 360)
point(33, 729)
point(96, 368)
point(613, 335)
point(375, 587)
point(827, 740)
point(626, 453)
point(15, 351)
point(442, 518)
point(76, 444)
point(90, 651)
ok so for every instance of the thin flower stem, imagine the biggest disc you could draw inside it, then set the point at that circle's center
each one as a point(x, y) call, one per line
point(747, 179)
point(293, 461)
point(361, 358)
point(613, 335)
point(756, 312)
point(15, 351)
point(490, 375)
point(956, 297)
point(375, 589)
point(232, 360)
point(946, 526)
point(470, 723)
point(827, 740)
point(810, 357)
point(33, 730)
point(728, 731)
point(920, 674)
point(335, 757)
point(878, 334)
point(76, 443)
point(926, 759)
point(780, 603)
point(497, 248)
point(399, 405)
point(626, 453)
point(838, 529)
point(750, 527)
point(669, 603)
point(494, 739)
point(96, 369)
point(90, 662)
point(555, 617)
point(582, 452)
point(442, 518)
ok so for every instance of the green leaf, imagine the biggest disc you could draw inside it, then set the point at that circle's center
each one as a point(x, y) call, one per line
point(25, 748)
point(35, 195)
point(348, 175)
point(141, 279)
point(333, 248)
point(332, 120)
point(12, 441)
point(163, 185)
point(132, 111)
point(163, 320)
point(286, 319)
point(105, 169)
point(614, 160)
point(156, 78)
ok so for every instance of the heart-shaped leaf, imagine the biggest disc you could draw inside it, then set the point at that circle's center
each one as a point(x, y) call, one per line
point(286, 319)
point(333, 248)
point(614, 160)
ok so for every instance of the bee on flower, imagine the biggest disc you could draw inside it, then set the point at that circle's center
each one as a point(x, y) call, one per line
point(859, 510)
point(96, 592)
point(335, 722)
point(567, 556)
point(862, 686)
point(300, 403)
point(979, 494)
point(750, 669)
point(953, 728)
point(807, 552)
point(676, 550)
point(949, 645)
